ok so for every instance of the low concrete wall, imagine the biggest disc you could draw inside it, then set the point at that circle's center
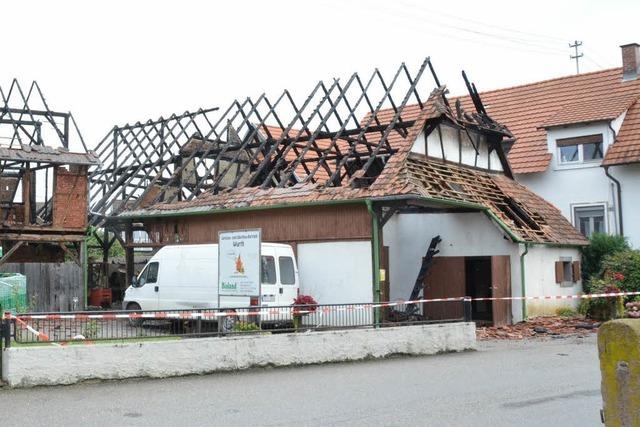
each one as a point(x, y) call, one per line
point(24, 366)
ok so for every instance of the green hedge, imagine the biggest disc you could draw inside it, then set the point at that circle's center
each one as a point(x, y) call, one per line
point(600, 246)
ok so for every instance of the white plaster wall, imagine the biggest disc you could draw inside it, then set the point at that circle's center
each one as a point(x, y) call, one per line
point(541, 279)
point(568, 186)
point(336, 272)
point(25, 366)
point(463, 234)
point(629, 177)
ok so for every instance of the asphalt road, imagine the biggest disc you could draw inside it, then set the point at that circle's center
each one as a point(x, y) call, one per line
point(553, 383)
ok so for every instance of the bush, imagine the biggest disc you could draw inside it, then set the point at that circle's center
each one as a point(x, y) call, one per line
point(603, 308)
point(566, 312)
point(246, 327)
point(624, 268)
point(600, 246)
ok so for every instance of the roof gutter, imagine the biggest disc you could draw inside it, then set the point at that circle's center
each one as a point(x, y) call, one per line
point(523, 287)
point(618, 187)
point(216, 211)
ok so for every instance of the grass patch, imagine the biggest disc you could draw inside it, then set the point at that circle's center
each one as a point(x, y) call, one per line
point(566, 312)
point(96, 342)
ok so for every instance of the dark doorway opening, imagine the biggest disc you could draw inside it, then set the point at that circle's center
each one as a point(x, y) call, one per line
point(478, 285)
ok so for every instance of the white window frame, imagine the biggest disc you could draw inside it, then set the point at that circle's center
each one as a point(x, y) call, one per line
point(581, 160)
point(602, 205)
point(567, 263)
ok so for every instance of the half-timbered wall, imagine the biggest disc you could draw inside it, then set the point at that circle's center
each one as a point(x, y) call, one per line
point(454, 145)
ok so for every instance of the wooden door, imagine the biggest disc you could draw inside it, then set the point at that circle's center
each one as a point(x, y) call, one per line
point(501, 287)
point(445, 279)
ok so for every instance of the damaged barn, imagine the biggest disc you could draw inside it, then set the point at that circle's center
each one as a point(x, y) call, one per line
point(43, 197)
point(359, 177)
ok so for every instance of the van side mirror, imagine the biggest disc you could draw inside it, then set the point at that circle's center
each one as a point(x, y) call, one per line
point(134, 282)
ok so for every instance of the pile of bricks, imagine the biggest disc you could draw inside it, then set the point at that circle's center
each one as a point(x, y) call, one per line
point(540, 327)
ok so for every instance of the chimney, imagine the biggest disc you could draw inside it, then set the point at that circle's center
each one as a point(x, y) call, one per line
point(630, 61)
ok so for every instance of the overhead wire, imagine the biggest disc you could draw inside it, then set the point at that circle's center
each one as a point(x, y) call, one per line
point(515, 44)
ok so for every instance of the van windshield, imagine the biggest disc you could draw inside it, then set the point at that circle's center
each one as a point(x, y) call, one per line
point(268, 270)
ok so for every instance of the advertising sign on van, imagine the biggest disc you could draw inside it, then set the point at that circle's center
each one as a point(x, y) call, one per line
point(239, 263)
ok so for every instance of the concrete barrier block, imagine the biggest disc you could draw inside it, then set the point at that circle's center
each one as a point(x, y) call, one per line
point(619, 350)
point(24, 366)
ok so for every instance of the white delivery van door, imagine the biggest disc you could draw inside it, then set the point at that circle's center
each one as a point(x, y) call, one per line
point(269, 279)
point(147, 293)
point(288, 277)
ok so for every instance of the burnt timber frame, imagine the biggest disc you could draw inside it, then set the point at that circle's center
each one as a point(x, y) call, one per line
point(34, 140)
point(337, 129)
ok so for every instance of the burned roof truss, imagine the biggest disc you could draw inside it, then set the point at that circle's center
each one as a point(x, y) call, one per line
point(34, 142)
point(336, 136)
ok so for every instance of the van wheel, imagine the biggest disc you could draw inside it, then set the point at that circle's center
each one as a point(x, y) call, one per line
point(229, 323)
point(134, 306)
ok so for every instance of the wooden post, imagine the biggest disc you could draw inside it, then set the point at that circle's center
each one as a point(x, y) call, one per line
point(128, 249)
point(26, 194)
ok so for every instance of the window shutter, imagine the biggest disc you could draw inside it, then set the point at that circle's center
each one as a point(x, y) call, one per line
point(577, 271)
point(559, 272)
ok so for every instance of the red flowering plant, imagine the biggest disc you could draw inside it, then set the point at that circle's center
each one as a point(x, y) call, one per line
point(304, 303)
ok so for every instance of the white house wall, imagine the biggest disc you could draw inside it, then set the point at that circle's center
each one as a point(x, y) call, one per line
point(541, 280)
point(569, 186)
point(336, 272)
point(463, 234)
point(629, 177)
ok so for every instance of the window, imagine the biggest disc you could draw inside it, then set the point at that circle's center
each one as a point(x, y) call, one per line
point(150, 274)
point(583, 149)
point(287, 273)
point(589, 219)
point(268, 270)
point(568, 272)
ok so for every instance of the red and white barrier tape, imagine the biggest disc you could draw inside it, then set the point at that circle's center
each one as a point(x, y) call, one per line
point(208, 315)
point(41, 336)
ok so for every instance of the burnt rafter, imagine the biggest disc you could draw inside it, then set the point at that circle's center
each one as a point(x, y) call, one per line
point(35, 141)
point(336, 135)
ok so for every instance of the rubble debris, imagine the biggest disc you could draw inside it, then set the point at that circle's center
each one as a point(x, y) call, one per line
point(541, 328)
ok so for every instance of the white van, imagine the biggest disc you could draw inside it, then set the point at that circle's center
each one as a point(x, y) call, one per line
point(185, 277)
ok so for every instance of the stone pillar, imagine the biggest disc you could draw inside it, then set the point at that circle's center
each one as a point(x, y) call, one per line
point(619, 350)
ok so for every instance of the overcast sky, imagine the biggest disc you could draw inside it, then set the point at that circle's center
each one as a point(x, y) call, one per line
point(124, 61)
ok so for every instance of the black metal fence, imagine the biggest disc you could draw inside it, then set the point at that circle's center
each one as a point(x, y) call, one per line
point(91, 326)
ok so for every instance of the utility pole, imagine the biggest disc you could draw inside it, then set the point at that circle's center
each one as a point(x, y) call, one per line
point(576, 44)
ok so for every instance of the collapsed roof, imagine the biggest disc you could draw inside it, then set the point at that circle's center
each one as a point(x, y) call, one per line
point(34, 143)
point(260, 142)
point(341, 135)
point(322, 156)
point(524, 216)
